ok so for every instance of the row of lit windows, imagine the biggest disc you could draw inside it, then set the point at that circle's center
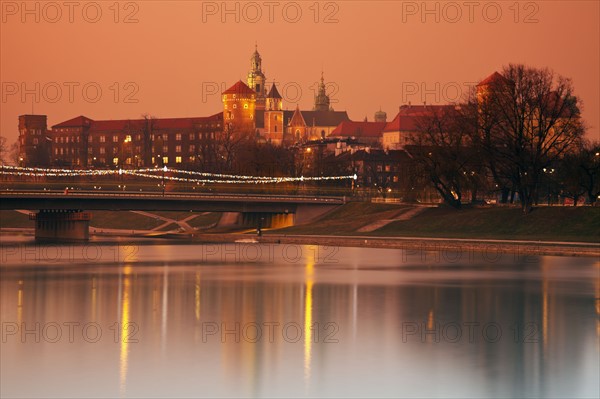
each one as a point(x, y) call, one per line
point(235, 106)
point(64, 151)
point(138, 149)
point(138, 137)
point(31, 131)
point(62, 129)
point(235, 96)
point(67, 139)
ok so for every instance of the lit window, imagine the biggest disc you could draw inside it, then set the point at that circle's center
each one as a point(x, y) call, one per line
point(178, 149)
point(165, 148)
point(245, 106)
point(234, 106)
point(192, 136)
point(115, 160)
point(177, 159)
point(178, 137)
point(102, 150)
point(102, 139)
point(165, 160)
point(192, 148)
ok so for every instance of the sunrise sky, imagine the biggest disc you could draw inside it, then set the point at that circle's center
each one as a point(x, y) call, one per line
point(171, 56)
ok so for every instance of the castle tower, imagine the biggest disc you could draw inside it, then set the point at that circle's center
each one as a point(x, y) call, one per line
point(274, 117)
point(322, 99)
point(239, 107)
point(34, 146)
point(257, 80)
point(380, 116)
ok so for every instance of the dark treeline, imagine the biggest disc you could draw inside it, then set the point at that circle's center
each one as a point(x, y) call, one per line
point(520, 133)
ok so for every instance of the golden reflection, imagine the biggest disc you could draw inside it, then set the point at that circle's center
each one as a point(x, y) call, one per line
point(598, 307)
point(545, 313)
point(430, 321)
point(545, 268)
point(20, 303)
point(308, 315)
point(124, 333)
point(94, 298)
point(197, 296)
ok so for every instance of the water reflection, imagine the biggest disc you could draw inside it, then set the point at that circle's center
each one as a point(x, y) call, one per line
point(369, 323)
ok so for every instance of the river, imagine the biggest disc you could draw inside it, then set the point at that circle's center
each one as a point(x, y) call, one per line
point(157, 318)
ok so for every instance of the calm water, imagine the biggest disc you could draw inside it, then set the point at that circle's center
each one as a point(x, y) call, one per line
point(161, 319)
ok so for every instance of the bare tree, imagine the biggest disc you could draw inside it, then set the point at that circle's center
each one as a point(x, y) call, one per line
point(229, 144)
point(3, 149)
point(536, 118)
point(443, 150)
point(13, 153)
point(578, 172)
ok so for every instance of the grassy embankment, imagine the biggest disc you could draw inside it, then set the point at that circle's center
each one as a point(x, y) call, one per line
point(544, 223)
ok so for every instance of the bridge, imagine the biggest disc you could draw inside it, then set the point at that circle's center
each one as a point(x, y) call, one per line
point(62, 215)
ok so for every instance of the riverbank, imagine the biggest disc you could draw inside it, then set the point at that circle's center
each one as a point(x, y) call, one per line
point(452, 248)
point(572, 224)
point(559, 231)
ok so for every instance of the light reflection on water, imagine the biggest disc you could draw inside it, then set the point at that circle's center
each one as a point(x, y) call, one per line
point(160, 319)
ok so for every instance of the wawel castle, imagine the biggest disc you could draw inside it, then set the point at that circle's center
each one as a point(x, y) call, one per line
point(253, 107)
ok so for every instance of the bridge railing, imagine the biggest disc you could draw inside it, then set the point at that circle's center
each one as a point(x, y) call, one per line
point(168, 196)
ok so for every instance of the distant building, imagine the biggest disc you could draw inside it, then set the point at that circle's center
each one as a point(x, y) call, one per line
point(368, 133)
point(34, 141)
point(401, 131)
point(239, 108)
point(83, 142)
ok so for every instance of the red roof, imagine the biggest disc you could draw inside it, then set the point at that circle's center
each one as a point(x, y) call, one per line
point(273, 93)
point(408, 117)
point(493, 78)
point(239, 88)
point(137, 124)
point(358, 129)
point(75, 122)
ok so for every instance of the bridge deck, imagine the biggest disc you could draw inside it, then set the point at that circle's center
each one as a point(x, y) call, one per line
point(86, 200)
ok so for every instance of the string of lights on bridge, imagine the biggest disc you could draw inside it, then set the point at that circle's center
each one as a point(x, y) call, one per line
point(150, 173)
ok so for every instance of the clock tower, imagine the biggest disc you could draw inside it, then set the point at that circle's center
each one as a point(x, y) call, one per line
point(257, 79)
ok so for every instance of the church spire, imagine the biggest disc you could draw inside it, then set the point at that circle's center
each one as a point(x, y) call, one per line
point(322, 99)
point(257, 79)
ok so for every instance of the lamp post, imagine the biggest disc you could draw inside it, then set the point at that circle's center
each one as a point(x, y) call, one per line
point(549, 172)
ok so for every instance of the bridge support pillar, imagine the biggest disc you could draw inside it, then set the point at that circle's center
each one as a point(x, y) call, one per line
point(67, 225)
point(266, 219)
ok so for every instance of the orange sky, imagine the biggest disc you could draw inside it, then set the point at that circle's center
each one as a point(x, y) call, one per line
point(375, 54)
